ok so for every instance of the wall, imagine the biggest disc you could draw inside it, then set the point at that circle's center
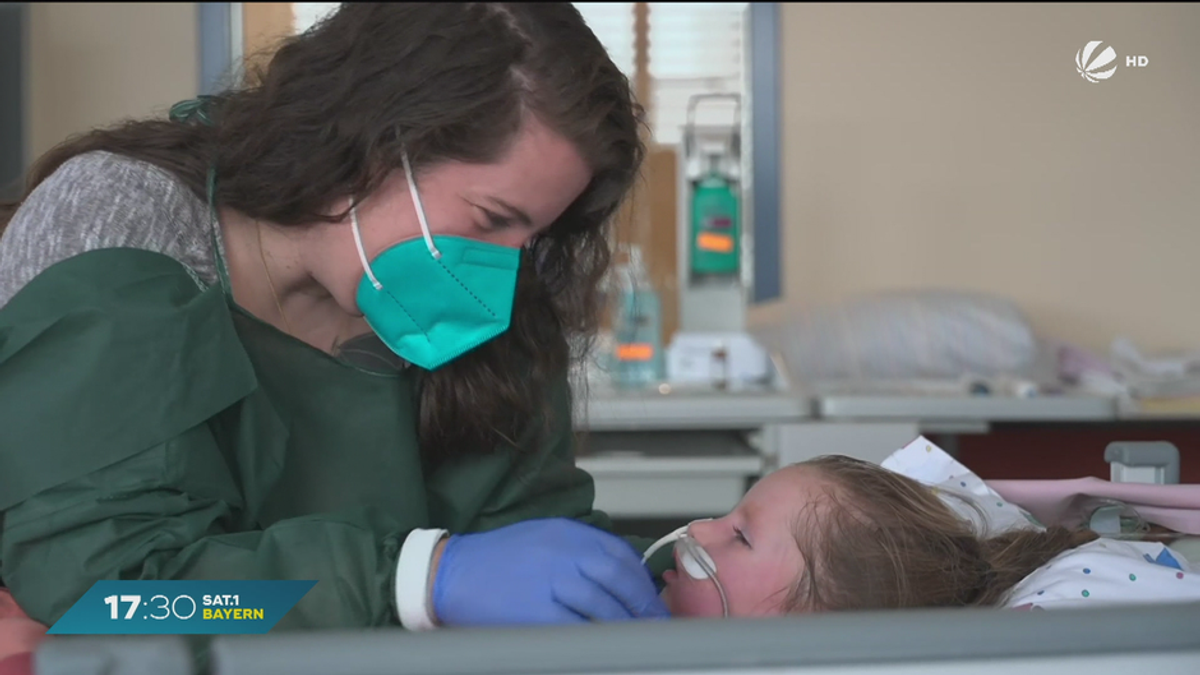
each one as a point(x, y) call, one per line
point(955, 145)
point(92, 64)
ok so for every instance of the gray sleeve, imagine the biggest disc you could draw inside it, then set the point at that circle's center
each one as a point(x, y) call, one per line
point(100, 200)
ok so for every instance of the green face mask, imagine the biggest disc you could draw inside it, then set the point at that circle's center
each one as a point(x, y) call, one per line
point(434, 299)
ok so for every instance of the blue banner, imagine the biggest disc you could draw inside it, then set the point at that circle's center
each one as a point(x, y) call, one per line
point(181, 607)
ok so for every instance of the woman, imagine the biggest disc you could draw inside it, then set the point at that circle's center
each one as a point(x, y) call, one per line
point(309, 328)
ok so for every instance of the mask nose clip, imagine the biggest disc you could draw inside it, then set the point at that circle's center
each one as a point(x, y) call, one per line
point(696, 562)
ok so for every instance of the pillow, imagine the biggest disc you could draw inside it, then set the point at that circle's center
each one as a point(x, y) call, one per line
point(1102, 572)
point(908, 334)
point(959, 488)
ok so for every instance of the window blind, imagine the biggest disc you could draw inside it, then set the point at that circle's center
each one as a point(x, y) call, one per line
point(612, 22)
point(694, 48)
point(307, 14)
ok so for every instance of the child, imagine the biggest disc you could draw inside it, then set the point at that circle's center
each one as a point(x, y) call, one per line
point(837, 533)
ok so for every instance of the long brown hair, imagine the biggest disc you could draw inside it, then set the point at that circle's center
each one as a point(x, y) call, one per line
point(884, 541)
point(327, 117)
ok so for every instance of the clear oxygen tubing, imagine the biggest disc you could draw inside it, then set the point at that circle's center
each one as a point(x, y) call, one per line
point(695, 560)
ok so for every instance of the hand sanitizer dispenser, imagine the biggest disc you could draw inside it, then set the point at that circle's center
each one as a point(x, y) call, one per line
point(712, 223)
point(715, 222)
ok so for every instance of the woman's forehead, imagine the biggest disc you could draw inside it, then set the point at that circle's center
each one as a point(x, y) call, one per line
point(540, 175)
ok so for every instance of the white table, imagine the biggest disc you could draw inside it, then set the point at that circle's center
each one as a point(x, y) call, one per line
point(934, 409)
point(682, 453)
point(678, 453)
point(870, 422)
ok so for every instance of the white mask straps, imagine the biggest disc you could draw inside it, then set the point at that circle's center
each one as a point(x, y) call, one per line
point(417, 205)
point(416, 197)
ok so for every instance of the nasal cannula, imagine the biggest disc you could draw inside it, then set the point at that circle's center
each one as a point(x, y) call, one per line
point(695, 560)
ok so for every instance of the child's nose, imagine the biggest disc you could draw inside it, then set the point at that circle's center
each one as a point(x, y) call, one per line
point(703, 531)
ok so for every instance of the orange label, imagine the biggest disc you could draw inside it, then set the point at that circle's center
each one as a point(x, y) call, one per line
point(635, 352)
point(720, 243)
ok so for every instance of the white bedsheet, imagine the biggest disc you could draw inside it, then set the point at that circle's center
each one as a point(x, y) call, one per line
point(1103, 572)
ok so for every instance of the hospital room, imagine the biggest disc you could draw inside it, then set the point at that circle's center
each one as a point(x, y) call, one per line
point(599, 338)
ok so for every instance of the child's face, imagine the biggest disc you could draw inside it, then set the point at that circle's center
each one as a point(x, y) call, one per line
point(754, 547)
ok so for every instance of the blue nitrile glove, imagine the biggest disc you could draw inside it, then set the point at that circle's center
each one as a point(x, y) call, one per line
point(545, 571)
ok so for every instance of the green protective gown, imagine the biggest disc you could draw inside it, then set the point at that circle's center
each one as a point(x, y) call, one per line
point(151, 429)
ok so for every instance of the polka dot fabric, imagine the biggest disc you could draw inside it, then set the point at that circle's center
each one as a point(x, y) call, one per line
point(1109, 572)
point(926, 463)
point(1103, 572)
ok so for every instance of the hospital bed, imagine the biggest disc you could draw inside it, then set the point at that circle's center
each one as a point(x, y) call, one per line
point(1114, 639)
point(1117, 641)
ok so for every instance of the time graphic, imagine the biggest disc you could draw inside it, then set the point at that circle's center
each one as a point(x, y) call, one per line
point(222, 607)
point(181, 607)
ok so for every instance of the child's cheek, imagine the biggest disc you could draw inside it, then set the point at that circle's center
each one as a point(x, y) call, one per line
point(690, 598)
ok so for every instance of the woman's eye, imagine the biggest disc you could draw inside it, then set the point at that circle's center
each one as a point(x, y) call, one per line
point(495, 221)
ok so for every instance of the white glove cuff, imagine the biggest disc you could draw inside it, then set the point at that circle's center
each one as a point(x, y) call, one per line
point(412, 579)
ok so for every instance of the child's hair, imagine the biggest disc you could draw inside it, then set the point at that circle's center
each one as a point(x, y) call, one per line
point(885, 541)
